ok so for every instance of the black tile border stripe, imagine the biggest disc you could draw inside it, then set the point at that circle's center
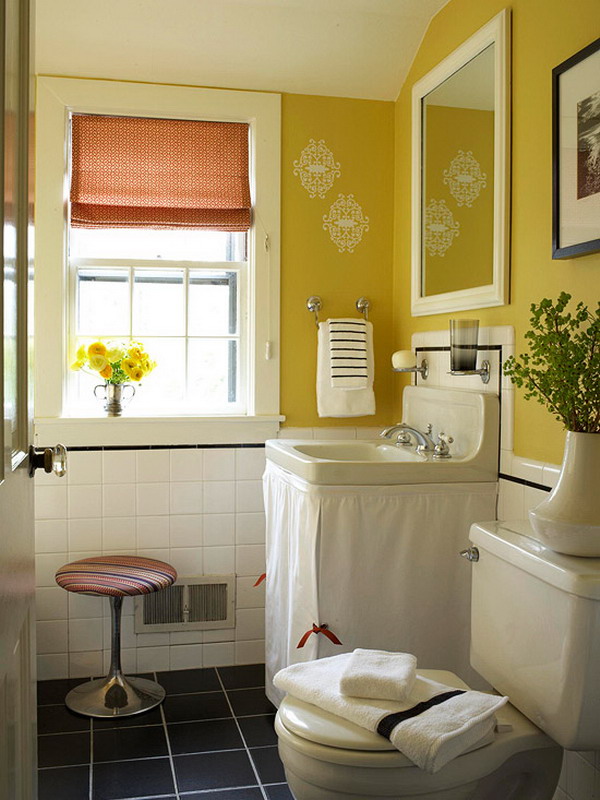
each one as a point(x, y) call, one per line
point(109, 447)
point(442, 349)
point(524, 482)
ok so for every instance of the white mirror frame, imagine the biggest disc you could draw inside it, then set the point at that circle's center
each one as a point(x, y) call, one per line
point(497, 32)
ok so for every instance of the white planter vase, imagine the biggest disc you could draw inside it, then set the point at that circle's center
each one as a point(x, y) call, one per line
point(568, 521)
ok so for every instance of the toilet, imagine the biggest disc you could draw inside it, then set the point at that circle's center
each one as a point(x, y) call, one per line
point(535, 636)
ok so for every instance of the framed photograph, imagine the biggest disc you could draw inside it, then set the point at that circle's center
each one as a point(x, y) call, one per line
point(576, 154)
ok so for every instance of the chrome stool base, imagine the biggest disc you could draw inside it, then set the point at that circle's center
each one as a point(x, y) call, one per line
point(115, 696)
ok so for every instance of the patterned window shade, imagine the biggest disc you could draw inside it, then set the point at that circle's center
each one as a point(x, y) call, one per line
point(130, 172)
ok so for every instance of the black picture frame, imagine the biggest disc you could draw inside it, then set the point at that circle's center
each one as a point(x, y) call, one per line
point(572, 250)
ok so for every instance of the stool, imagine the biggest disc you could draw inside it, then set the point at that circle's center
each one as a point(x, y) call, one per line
point(115, 577)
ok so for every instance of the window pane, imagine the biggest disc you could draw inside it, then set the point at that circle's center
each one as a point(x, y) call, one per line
point(175, 245)
point(212, 303)
point(84, 384)
point(212, 371)
point(158, 303)
point(103, 302)
point(164, 388)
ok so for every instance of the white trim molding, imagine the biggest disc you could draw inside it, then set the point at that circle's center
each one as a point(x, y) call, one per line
point(57, 98)
point(497, 32)
point(131, 431)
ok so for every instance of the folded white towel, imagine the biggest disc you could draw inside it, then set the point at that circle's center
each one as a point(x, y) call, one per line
point(379, 674)
point(345, 391)
point(348, 353)
point(438, 723)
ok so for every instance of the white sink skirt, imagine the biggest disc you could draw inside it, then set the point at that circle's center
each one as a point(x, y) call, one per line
point(379, 565)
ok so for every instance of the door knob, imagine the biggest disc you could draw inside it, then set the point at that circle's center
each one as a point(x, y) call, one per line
point(50, 459)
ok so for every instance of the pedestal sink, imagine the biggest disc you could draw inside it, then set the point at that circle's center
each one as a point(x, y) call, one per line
point(363, 537)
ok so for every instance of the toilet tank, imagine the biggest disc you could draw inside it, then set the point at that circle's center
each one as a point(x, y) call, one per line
point(535, 630)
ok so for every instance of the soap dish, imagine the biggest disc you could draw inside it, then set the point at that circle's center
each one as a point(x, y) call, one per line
point(423, 370)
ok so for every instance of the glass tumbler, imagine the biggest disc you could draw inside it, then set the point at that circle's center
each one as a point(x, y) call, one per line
point(463, 344)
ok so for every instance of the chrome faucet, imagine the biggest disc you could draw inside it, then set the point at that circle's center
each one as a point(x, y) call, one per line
point(423, 439)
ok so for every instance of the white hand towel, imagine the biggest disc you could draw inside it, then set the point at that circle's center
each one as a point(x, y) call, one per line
point(379, 675)
point(430, 735)
point(348, 353)
point(336, 401)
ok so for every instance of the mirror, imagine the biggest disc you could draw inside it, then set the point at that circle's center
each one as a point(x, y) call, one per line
point(460, 177)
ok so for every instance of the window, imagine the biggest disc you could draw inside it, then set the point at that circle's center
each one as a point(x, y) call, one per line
point(190, 313)
point(159, 215)
point(204, 302)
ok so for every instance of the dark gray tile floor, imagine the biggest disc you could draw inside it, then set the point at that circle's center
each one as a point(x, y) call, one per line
point(212, 739)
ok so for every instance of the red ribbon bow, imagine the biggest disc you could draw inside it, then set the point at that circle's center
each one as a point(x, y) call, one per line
point(260, 579)
point(318, 629)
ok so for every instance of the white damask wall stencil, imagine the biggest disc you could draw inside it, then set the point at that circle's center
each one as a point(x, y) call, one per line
point(465, 178)
point(440, 227)
point(346, 223)
point(317, 168)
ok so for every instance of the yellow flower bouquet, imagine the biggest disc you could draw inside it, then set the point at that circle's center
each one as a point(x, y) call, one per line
point(116, 362)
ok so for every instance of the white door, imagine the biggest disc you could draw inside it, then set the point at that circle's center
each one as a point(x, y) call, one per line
point(17, 648)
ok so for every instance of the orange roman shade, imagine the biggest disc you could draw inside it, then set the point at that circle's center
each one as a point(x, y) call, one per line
point(134, 172)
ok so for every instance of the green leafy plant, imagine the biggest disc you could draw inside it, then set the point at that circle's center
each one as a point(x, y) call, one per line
point(562, 369)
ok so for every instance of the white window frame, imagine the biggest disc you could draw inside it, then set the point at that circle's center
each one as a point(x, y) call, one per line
point(57, 99)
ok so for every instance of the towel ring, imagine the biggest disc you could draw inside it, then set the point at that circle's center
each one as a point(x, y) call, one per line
point(315, 304)
point(363, 304)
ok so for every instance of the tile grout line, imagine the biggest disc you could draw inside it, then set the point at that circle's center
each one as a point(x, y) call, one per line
point(209, 792)
point(156, 724)
point(159, 758)
point(91, 778)
point(170, 752)
point(239, 727)
point(149, 797)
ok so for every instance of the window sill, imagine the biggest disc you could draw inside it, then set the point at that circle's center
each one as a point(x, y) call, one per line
point(131, 431)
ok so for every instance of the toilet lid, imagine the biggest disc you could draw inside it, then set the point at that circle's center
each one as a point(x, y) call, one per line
point(317, 725)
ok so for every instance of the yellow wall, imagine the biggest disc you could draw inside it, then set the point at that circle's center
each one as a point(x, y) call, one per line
point(468, 260)
point(545, 33)
point(360, 134)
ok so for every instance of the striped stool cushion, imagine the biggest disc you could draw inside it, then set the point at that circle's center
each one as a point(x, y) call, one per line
point(116, 576)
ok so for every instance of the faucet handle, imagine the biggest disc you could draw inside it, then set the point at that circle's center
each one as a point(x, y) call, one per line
point(441, 449)
point(429, 428)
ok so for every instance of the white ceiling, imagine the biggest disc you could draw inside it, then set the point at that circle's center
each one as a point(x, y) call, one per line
point(346, 48)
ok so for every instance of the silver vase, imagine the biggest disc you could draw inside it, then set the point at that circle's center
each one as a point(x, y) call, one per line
point(114, 397)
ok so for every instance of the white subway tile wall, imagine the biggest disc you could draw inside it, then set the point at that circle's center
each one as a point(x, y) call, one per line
point(199, 509)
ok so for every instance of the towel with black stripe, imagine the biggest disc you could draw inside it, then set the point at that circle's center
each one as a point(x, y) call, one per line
point(348, 348)
point(345, 368)
point(433, 725)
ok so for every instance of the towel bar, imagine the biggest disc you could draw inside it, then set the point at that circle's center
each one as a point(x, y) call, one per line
point(363, 304)
point(314, 304)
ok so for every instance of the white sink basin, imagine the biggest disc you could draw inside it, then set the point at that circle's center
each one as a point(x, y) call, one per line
point(377, 450)
point(470, 417)
point(370, 463)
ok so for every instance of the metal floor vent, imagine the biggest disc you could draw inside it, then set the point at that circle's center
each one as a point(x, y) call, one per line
point(197, 603)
